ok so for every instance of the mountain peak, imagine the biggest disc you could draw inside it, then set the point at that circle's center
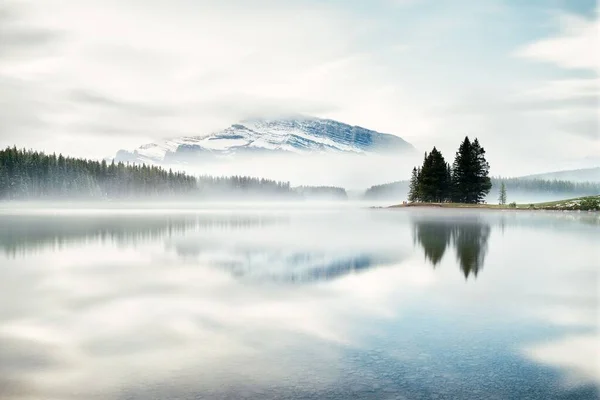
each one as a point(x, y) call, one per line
point(297, 134)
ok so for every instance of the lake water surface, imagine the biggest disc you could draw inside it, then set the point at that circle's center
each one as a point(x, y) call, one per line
point(298, 304)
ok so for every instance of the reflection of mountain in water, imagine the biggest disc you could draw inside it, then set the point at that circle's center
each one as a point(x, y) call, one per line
point(27, 233)
point(322, 267)
point(469, 237)
point(270, 264)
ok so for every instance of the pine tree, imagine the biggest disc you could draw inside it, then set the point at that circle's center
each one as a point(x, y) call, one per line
point(502, 197)
point(425, 180)
point(434, 182)
point(413, 191)
point(448, 189)
point(482, 183)
point(470, 180)
point(461, 172)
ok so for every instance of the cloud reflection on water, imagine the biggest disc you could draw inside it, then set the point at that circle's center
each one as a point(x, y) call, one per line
point(208, 310)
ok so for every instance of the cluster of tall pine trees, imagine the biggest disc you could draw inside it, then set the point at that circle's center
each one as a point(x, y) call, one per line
point(466, 181)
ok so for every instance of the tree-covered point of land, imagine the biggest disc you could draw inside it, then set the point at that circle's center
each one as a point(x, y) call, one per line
point(467, 181)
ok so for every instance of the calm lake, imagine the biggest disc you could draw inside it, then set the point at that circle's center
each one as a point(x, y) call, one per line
point(298, 303)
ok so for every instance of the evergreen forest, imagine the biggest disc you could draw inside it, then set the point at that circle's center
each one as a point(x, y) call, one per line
point(28, 174)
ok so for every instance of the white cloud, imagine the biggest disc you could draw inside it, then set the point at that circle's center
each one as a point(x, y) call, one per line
point(210, 66)
point(564, 89)
point(575, 47)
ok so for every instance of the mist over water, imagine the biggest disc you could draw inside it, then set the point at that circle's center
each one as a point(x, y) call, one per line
point(270, 301)
point(355, 171)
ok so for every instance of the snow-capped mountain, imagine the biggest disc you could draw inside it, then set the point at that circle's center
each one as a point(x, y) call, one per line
point(286, 135)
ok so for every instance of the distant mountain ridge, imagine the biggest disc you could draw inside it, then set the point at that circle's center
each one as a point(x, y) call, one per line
point(574, 175)
point(297, 135)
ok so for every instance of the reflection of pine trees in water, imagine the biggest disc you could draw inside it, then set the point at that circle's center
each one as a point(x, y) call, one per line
point(434, 237)
point(469, 238)
point(28, 233)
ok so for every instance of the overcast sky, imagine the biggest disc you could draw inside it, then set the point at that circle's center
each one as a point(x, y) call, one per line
point(88, 77)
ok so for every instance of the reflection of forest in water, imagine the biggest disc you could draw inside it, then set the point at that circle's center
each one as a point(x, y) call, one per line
point(469, 238)
point(28, 233)
point(250, 256)
point(285, 258)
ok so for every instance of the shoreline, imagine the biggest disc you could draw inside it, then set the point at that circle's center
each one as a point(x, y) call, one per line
point(455, 206)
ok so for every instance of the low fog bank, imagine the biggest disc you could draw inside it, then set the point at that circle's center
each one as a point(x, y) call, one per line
point(297, 198)
point(33, 177)
point(183, 206)
point(359, 176)
point(350, 171)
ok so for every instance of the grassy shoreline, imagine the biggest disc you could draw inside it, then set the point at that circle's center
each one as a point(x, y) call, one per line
point(588, 203)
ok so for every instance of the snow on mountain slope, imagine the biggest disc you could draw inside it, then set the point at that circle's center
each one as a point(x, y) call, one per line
point(292, 135)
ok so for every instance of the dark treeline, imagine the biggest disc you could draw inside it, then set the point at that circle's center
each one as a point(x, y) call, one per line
point(216, 186)
point(466, 181)
point(28, 174)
